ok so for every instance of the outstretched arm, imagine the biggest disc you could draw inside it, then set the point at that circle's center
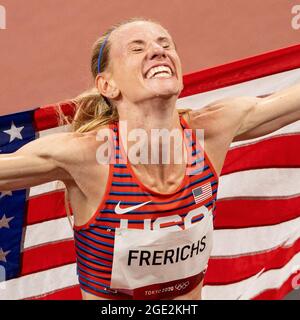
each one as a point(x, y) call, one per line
point(269, 114)
point(243, 118)
point(37, 162)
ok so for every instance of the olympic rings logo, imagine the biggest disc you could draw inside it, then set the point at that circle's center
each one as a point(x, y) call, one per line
point(182, 285)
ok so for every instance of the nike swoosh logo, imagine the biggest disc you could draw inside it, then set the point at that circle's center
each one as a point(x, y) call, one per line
point(119, 210)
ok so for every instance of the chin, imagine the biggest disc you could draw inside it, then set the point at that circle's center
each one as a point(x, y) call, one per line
point(168, 95)
point(166, 89)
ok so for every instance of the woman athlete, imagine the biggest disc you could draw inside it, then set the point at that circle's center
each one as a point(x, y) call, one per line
point(142, 230)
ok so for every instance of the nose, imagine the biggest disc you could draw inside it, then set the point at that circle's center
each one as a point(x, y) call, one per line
point(156, 51)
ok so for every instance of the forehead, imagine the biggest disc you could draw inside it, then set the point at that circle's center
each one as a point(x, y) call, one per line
point(138, 30)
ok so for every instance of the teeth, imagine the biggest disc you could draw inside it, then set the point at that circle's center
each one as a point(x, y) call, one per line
point(161, 75)
point(163, 69)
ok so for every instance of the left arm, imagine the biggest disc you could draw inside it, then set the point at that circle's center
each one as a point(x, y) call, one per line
point(265, 115)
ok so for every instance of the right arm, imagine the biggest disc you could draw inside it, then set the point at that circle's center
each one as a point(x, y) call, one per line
point(37, 162)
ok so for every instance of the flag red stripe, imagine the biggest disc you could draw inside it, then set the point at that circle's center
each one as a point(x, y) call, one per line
point(255, 212)
point(45, 207)
point(242, 70)
point(264, 154)
point(47, 116)
point(230, 270)
point(278, 294)
point(37, 258)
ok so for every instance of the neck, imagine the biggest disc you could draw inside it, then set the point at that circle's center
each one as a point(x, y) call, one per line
point(147, 116)
point(156, 113)
point(143, 123)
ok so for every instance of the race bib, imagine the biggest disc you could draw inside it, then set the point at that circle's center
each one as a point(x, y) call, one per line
point(148, 257)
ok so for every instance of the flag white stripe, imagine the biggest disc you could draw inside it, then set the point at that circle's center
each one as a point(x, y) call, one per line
point(292, 128)
point(46, 188)
point(251, 287)
point(256, 87)
point(260, 183)
point(235, 242)
point(48, 231)
point(39, 283)
point(47, 132)
point(204, 196)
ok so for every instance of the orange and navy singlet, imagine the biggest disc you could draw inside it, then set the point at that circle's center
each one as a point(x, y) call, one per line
point(95, 241)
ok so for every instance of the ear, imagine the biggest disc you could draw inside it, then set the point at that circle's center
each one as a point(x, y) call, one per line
point(106, 86)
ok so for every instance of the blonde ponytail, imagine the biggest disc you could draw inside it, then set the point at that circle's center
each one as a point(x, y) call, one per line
point(93, 111)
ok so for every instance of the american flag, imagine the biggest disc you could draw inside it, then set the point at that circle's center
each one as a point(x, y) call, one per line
point(256, 253)
point(203, 192)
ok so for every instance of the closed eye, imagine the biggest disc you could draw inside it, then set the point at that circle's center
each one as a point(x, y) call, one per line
point(137, 49)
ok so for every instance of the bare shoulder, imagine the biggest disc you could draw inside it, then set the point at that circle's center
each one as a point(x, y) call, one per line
point(67, 148)
point(220, 120)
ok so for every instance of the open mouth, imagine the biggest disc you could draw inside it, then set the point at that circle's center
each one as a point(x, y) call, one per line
point(159, 72)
